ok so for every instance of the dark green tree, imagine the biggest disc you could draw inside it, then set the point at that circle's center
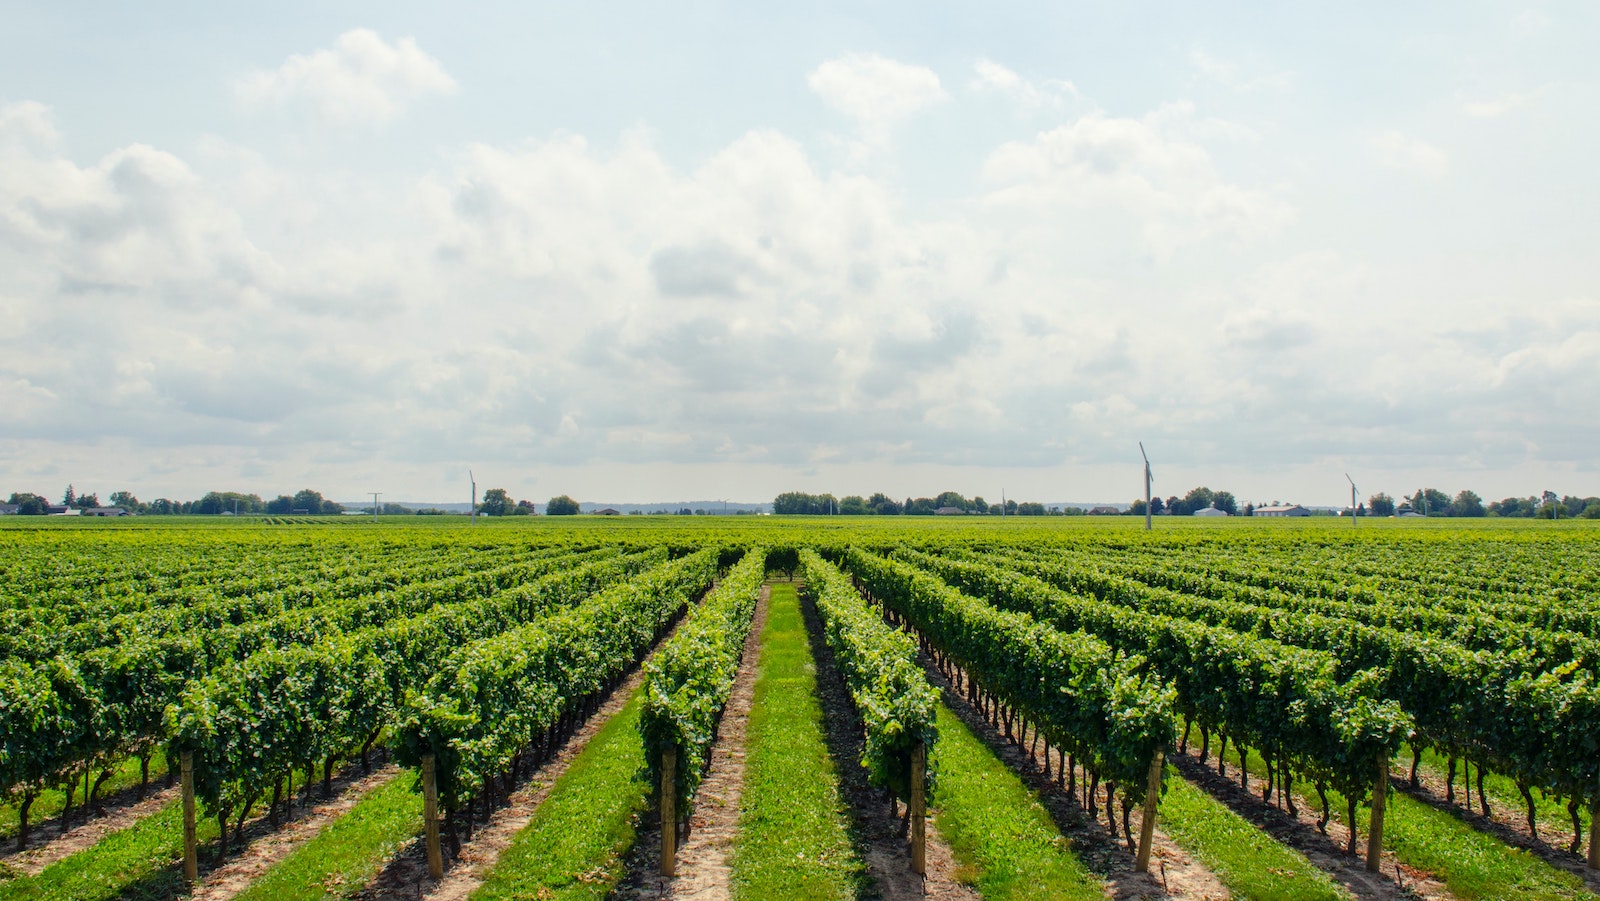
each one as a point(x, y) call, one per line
point(1224, 501)
point(1380, 504)
point(561, 505)
point(496, 502)
point(1467, 504)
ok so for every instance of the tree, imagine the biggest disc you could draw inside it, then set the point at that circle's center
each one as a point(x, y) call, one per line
point(1157, 506)
point(126, 501)
point(282, 505)
point(922, 506)
point(1224, 501)
point(883, 505)
point(1380, 504)
point(854, 505)
point(29, 504)
point(1136, 508)
point(950, 499)
point(561, 505)
point(1030, 508)
point(70, 499)
point(496, 502)
point(309, 501)
point(1467, 504)
point(524, 508)
point(1430, 502)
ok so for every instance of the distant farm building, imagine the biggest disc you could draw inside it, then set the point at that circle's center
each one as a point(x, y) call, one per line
point(1104, 511)
point(1213, 511)
point(9, 509)
point(608, 511)
point(1285, 510)
point(950, 511)
point(104, 511)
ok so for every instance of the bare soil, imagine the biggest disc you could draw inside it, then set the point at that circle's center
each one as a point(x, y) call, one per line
point(702, 862)
point(235, 875)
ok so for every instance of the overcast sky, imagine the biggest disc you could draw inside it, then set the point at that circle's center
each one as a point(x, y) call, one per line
point(654, 252)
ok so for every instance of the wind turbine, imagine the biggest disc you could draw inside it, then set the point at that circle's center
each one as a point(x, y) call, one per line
point(1352, 498)
point(1148, 478)
point(472, 509)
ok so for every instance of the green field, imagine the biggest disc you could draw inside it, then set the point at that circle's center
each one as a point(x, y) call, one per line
point(265, 647)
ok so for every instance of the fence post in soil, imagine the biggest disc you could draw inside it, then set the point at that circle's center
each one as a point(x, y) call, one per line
point(430, 817)
point(1380, 792)
point(1147, 828)
point(191, 852)
point(669, 816)
point(919, 809)
point(1594, 837)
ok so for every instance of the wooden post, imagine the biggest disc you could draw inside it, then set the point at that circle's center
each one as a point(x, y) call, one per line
point(430, 817)
point(919, 809)
point(1594, 842)
point(191, 851)
point(1147, 829)
point(669, 815)
point(1380, 795)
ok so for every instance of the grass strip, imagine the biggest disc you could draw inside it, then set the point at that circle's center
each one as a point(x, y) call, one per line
point(793, 840)
point(576, 844)
point(1471, 864)
point(49, 803)
point(1251, 863)
point(1004, 842)
point(348, 852)
point(141, 861)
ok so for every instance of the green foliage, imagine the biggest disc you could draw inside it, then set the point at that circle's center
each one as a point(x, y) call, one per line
point(688, 681)
point(561, 505)
point(1084, 696)
point(494, 696)
point(879, 666)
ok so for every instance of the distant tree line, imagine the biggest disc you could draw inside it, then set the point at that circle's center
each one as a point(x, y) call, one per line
point(1429, 502)
point(305, 502)
point(1196, 500)
point(798, 503)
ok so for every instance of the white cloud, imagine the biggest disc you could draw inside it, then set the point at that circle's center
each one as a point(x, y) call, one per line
point(874, 90)
point(1228, 74)
point(1145, 170)
point(1502, 103)
point(1400, 151)
point(360, 80)
point(992, 77)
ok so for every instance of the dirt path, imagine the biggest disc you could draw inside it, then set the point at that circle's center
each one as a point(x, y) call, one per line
point(1173, 873)
point(234, 876)
point(406, 876)
point(46, 843)
point(702, 864)
point(1396, 882)
point(884, 846)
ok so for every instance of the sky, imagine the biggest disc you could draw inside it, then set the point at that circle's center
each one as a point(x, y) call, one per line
point(651, 252)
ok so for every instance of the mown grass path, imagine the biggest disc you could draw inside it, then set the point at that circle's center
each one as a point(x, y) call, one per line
point(793, 840)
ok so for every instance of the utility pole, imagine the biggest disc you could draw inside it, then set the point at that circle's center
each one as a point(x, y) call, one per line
point(1352, 499)
point(472, 510)
point(375, 506)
